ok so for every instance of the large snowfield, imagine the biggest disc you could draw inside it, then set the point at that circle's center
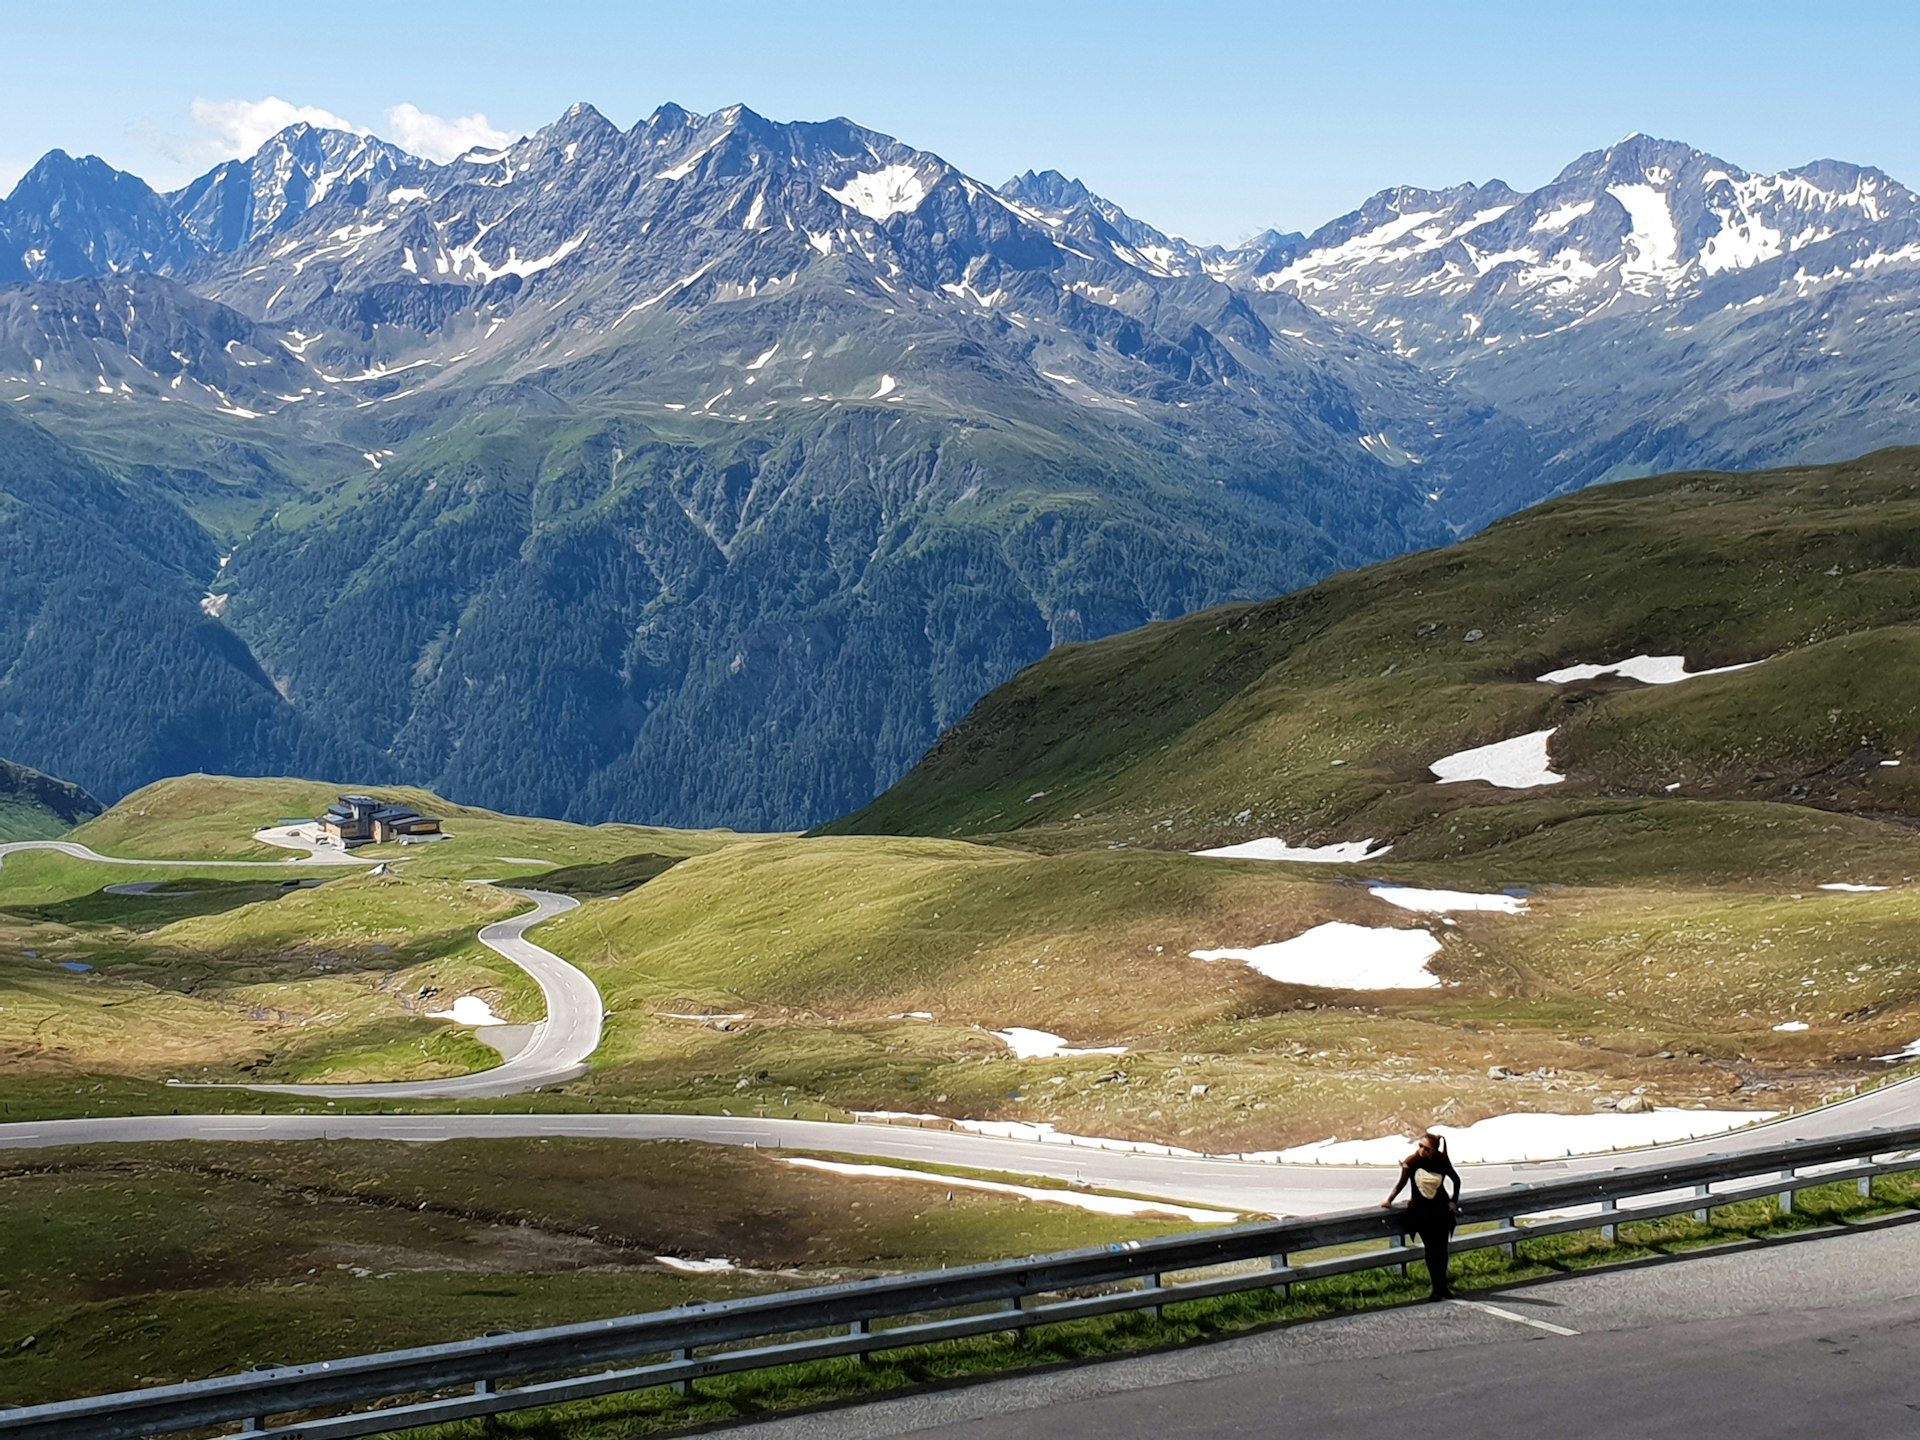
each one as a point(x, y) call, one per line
point(1341, 956)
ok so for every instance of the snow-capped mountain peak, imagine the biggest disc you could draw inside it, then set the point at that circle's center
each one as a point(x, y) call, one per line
point(71, 217)
point(1645, 222)
point(1068, 207)
point(240, 201)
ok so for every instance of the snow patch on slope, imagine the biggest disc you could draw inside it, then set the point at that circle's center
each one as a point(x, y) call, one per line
point(1440, 902)
point(1079, 1200)
point(1647, 669)
point(1562, 216)
point(879, 194)
point(1653, 245)
point(468, 1010)
point(1512, 1139)
point(1045, 1045)
point(1271, 847)
point(1517, 764)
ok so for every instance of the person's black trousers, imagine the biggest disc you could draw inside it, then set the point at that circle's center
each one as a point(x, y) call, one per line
point(1433, 1230)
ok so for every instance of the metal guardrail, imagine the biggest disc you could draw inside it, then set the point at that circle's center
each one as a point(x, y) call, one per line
point(563, 1363)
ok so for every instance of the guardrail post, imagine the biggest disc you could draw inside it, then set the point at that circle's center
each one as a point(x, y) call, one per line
point(683, 1387)
point(1865, 1182)
point(1610, 1232)
point(1786, 1196)
point(1511, 1247)
point(862, 1327)
point(483, 1387)
point(1159, 1308)
point(1279, 1262)
point(1395, 1242)
point(1705, 1213)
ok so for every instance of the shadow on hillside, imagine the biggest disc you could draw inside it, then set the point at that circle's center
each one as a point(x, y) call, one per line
point(167, 902)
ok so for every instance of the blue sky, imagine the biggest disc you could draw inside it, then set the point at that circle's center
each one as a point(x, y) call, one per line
point(1212, 120)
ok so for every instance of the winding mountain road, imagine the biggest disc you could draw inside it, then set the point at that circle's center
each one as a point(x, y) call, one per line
point(556, 1051)
point(562, 1043)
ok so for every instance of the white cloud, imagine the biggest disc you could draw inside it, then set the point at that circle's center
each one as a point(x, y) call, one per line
point(439, 137)
point(234, 128)
point(229, 129)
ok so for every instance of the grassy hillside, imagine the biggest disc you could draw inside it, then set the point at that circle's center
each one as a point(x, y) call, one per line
point(1678, 938)
point(209, 978)
point(857, 973)
point(215, 817)
point(1315, 716)
point(1664, 942)
point(230, 975)
point(38, 807)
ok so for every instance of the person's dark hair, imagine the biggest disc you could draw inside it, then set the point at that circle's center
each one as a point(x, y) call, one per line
point(1439, 1145)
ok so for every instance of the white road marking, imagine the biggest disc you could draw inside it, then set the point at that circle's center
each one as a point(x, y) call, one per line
point(1498, 1313)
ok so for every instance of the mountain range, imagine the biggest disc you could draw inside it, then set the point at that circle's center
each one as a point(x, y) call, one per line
point(708, 470)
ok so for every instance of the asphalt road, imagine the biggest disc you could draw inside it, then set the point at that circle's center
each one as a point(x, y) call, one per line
point(1230, 1184)
point(558, 1047)
point(1815, 1339)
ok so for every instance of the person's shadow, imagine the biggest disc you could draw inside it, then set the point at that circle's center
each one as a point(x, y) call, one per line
point(1508, 1297)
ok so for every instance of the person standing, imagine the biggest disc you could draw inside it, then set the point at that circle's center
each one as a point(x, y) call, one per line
point(1425, 1174)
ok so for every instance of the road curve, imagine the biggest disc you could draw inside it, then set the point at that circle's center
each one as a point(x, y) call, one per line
point(558, 1048)
point(1233, 1184)
point(556, 1051)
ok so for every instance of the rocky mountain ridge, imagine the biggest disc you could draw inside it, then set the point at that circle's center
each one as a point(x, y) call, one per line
point(707, 470)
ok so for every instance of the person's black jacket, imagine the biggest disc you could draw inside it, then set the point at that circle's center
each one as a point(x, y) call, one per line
point(1421, 1211)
